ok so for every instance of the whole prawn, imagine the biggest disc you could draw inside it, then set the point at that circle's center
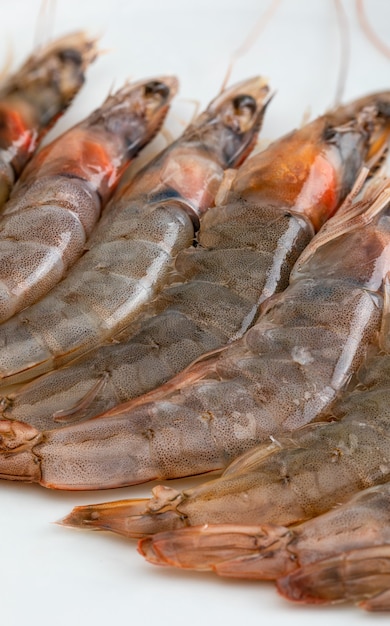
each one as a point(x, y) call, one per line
point(34, 97)
point(58, 199)
point(342, 555)
point(129, 256)
point(32, 547)
point(233, 399)
point(247, 247)
point(293, 478)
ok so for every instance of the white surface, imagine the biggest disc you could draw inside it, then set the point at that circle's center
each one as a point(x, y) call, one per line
point(51, 575)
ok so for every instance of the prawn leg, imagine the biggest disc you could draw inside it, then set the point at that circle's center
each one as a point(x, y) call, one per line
point(33, 98)
point(248, 246)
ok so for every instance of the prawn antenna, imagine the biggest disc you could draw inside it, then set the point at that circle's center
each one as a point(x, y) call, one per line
point(196, 105)
point(345, 52)
point(369, 31)
point(250, 40)
point(6, 66)
point(45, 23)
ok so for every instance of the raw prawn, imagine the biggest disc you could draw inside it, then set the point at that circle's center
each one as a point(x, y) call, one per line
point(342, 555)
point(293, 478)
point(130, 254)
point(247, 249)
point(284, 373)
point(59, 197)
point(34, 97)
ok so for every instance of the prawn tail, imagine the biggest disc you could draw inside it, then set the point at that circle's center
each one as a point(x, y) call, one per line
point(361, 575)
point(378, 602)
point(256, 552)
point(130, 518)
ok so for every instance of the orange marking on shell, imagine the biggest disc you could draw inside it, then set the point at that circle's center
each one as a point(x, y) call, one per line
point(95, 157)
point(319, 194)
point(14, 129)
point(79, 155)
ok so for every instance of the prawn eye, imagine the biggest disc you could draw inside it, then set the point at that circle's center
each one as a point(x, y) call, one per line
point(245, 102)
point(154, 87)
point(70, 54)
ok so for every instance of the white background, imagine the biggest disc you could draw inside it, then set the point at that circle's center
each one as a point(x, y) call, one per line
point(52, 575)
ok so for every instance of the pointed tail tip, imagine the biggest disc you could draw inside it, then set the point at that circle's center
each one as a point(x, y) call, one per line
point(124, 517)
point(79, 517)
point(93, 517)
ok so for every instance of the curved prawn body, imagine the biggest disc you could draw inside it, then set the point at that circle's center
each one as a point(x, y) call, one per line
point(33, 98)
point(311, 338)
point(130, 255)
point(283, 482)
point(60, 194)
point(248, 246)
point(342, 555)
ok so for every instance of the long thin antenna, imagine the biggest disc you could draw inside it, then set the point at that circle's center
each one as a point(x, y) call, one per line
point(7, 64)
point(250, 39)
point(45, 23)
point(345, 52)
point(369, 31)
